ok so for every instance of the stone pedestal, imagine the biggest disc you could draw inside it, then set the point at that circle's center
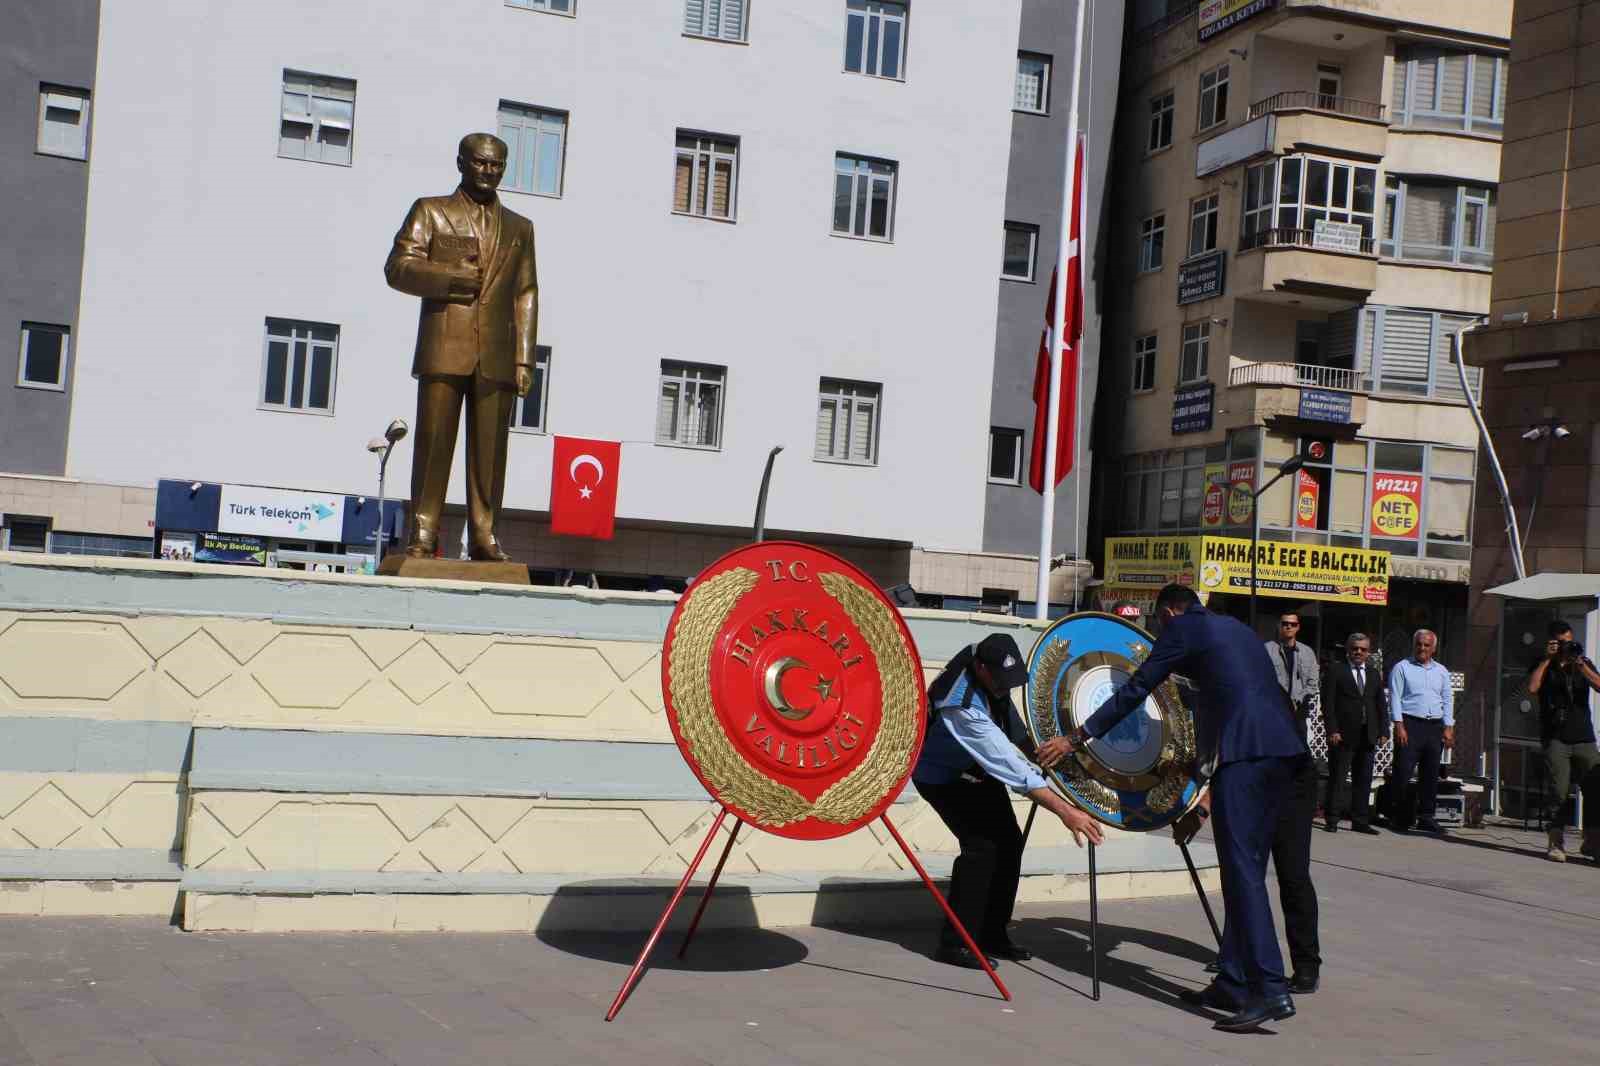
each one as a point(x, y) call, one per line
point(402, 565)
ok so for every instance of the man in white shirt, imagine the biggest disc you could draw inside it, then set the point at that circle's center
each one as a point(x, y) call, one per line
point(1421, 706)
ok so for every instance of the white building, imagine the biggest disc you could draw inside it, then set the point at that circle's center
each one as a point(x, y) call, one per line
point(252, 162)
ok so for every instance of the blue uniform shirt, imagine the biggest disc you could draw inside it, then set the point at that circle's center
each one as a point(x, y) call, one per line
point(960, 736)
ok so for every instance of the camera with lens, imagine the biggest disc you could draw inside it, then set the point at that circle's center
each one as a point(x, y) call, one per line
point(1570, 651)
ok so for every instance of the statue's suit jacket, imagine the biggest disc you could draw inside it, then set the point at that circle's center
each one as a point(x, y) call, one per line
point(491, 335)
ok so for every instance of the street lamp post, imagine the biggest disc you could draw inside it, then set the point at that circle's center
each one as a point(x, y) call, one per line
point(381, 447)
point(1289, 467)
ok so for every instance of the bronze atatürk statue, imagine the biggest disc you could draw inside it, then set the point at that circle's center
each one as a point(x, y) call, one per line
point(471, 261)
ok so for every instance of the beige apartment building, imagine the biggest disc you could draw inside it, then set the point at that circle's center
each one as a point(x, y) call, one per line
point(1307, 214)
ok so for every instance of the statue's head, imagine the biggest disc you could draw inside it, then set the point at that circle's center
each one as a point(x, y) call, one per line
point(481, 158)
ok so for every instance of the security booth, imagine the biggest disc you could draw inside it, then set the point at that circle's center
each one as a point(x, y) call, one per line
point(1527, 607)
point(256, 525)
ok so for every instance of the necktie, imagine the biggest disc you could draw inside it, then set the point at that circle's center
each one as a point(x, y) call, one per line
point(1361, 680)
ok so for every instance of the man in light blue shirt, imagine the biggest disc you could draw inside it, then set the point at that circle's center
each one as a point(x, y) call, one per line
point(1421, 705)
point(967, 763)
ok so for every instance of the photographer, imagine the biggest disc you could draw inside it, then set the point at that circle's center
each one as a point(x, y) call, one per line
point(1562, 680)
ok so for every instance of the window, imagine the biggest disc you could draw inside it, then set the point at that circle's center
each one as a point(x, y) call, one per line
point(1405, 350)
point(875, 38)
point(705, 176)
point(531, 410)
point(1021, 245)
point(1196, 352)
point(25, 533)
point(1203, 225)
point(1152, 242)
point(101, 544)
point(558, 7)
point(1214, 97)
point(847, 421)
point(1161, 112)
point(42, 359)
point(1443, 90)
point(1330, 85)
point(1284, 199)
point(1144, 363)
point(318, 120)
point(863, 197)
point(1033, 83)
point(1440, 223)
point(536, 148)
point(722, 19)
point(300, 366)
point(1005, 456)
point(63, 122)
point(690, 408)
point(1448, 502)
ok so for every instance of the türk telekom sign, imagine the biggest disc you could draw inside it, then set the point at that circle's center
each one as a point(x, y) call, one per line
point(288, 514)
point(1217, 16)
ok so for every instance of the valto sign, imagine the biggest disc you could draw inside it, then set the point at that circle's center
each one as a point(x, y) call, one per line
point(1396, 505)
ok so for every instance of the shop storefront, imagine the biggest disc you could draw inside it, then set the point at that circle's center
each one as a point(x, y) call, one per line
point(254, 525)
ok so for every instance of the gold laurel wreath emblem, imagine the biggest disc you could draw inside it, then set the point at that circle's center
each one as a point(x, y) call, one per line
point(1056, 658)
point(769, 802)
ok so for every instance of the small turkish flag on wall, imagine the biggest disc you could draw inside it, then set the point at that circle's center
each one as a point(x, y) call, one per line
point(583, 487)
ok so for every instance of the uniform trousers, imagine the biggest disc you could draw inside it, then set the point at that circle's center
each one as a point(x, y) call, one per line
point(983, 884)
point(1247, 799)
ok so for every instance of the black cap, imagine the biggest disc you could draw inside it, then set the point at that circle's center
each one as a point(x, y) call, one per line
point(1003, 659)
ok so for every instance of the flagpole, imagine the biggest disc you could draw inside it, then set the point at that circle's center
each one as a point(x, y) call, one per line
point(1047, 510)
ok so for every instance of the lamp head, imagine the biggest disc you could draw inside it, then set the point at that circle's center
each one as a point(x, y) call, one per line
point(377, 444)
point(1562, 432)
point(1533, 434)
point(396, 431)
point(1292, 464)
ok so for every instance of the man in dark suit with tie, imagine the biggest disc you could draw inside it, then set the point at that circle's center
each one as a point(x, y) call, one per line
point(1241, 717)
point(472, 263)
point(1355, 716)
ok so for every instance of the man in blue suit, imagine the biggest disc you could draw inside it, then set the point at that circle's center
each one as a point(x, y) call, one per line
point(1243, 720)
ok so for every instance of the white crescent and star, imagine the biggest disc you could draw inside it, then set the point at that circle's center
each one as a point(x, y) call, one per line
point(585, 491)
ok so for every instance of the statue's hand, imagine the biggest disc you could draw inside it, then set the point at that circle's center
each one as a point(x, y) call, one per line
point(524, 380)
point(466, 281)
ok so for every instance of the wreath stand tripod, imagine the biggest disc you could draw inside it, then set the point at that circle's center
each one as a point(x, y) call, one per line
point(1094, 904)
point(705, 898)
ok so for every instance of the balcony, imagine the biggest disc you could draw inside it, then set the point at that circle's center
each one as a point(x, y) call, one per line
point(1300, 392)
point(1330, 270)
point(1312, 101)
point(1304, 120)
point(1341, 379)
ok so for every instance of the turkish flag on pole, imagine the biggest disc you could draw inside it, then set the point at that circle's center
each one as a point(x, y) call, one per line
point(1067, 427)
point(583, 487)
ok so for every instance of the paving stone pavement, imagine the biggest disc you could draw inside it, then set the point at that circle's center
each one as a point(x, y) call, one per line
point(1465, 950)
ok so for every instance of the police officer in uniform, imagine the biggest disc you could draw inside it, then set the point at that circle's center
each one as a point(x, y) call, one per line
point(968, 762)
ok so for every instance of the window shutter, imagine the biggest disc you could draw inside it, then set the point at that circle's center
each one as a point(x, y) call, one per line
point(694, 16)
point(827, 413)
point(1430, 218)
point(1397, 97)
point(722, 188)
point(1449, 506)
point(683, 175)
point(1407, 338)
point(667, 411)
point(1453, 85)
point(862, 415)
point(733, 20)
point(1340, 342)
point(1447, 380)
point(1366, 344)
point(1427, 73)
point(1483, 86)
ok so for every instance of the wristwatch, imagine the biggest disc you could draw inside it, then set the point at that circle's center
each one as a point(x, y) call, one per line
point(1079, 737)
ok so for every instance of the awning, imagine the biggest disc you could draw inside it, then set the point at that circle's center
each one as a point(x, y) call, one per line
point(1550, 586)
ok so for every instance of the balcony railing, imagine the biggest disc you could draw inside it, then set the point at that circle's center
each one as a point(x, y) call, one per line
point(1301, 99)
point(1298, 374)
point(1295, 237)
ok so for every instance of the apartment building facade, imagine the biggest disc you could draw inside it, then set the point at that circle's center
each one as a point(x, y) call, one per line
point(47, 84)
point(758, 224)
point(1539, 353)
point(1307, 216)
